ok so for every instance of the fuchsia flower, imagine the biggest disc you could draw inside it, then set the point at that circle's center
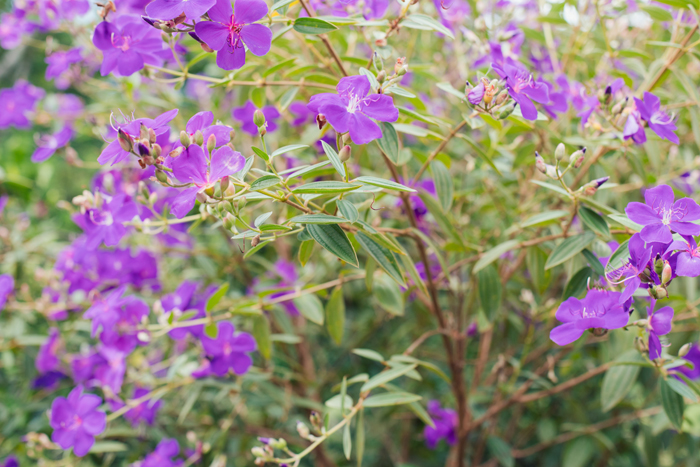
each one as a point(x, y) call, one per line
point(49, 144)
point(660, 215)
point(163, 455)
point(245, 116)
point(192, 166)
point(658, 324)
point(145, 411)
point(7, 284)
point(687, 257)
point(127, 45)
point(229, 351)
point(76, 421)
point(169, 9)
point(659, 121)
point(523, 88)
point(352, 109)
point(445, 425)
point(46, 359)
point(17, 102)
point(59, 62)
point(105, 223)
point(599, 309)
point(230, 31)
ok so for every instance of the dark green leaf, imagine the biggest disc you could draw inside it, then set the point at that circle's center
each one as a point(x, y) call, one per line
point(261, 332)
point(332, 238)
point(391, 398)
point(578, 282)
point(386, 376)
point(306, 25)
point(443, 184)
point(446, 225)
point(335, 315)
point(383, 256)
point(501, 451)
point(569, 248)
point(260, 153)
point(348, 210)
point(672, 403)
point(490, 291)
point(618, 381)
point(389, 142)
point(594, 221)
point(333, 157)
point(593, 261)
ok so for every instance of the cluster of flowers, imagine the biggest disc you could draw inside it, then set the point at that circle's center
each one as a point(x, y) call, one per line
point(663, 250)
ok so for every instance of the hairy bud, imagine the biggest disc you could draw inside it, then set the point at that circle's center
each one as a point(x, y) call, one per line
point(176, 152)
point(161, 176)
point(377, 62)
point(224, 183)
point(683, 351)
point(185, 139)
point(321, 121)
point(381, 76)
point(198, 138)
point(560, 152)
point(666, 273)
point(303, 430)
point(501, 97)
point(344, 153)
point(540, 164)
point(143, 132)
point(255, 241)
point(125, 141)
point(577, 158)
point(259, 118)
point(507, 110)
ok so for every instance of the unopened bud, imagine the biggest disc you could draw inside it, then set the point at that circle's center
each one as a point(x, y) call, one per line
point(228, 221)
point(206, 48)
point(224, 183)
point(176, 152)
point(143, 132)
point(151, 136)
point(320, 121)
point(125, 141)
point(659, 292)
point(257, 451)
point(344, 153)
point(377, 61)
point(202, 197)
point(381, 42)
point(607, 96)
point(667, 273)
point(501, 97)
point(185, 139)
point(254, 242)
point(161, 176)
point(241, 202)
point(560, 152)
point(507, 110)
point(259, 118)
point(658, 265)
point(198, 138)
point(232, 135)
point(211, 143)
point(156, 150)
point(143, 149)
point(540, 164)
point(262, 131)
point(303, 430)
point(619, 107)
point(590, 188)
point(577, 158)
point(278, 443)
point(683, 351)
point(209, 191)
point(400, 63)
point(402, 71)
point(381, 76)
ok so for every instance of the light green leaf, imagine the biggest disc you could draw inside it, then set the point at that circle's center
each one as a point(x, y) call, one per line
point(368, 353)
point(290, 148)
point(261, 333)
point(494, 253)
point(544, 218)
point(310, 306)
point(389, 296)
point(594, 221)
point(316, 219)
point(389, 142)
point(391, 398)
point(569, 248)
point(216, 297)
point(333, 157)
point(383, 256)
point(443, 184)
point(348, 210)
point(388, 184)
point(386, 376)
point(335, 315)
point(618, 381)
point(266, 181)
point(326, 187)
point(672, 403)
point(307, 25)
point(490, 291)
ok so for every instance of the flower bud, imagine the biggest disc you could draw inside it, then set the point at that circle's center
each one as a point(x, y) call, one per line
point(540, 163)
point(344, 153)
point(476, 94)
point(658, 265)
point(210, 191)
point(320, 121)
point(151, 136)
point(683, 351)
point(228, 221)
point(176, 152)
point(161, 176)
point(198, 138)
point(257, 451)
point(667, 273)
point(143, 149)
point(619, 107)
point(254, 242)
point(381, 76)
point(303, 430)
point(278, 443)
point(577, 158)
point(399, 65)
point(232, 135)
point(346, 138)
point(507, 110)
point(241, 202)
point(185, 139)
point(560, 152)
point(211, 143)
point(659, 292)
point(381, 42)
point(262, 131)
point(125, 141)
point(202, 197)
point(224, 183)
point(377, 61)
point(156, 150)
point(143, 132)
point(590, 188)
point(206, 48)
point(501, 97)
point(259, 118)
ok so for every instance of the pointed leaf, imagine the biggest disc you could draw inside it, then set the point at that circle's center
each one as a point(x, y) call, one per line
point(332, 238)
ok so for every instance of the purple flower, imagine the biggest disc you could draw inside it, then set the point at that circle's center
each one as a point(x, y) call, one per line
point(130, 130)
point(163, 455)
point(659, 121)
point(634, 128)
point(192, 167)
point(660, 215)
point(229, 350)
point(7, 284)
point(230, 31)
point(183, 300)
point(203, 121)
point(445, 421)
point(476, 94)
point(82, 366)
point(692, 356)
point(48, 144)
point(110, 368)
point(599, 309)
point(303, 114)
point(145, 411)
point(629, 274)
point(10, 461)
point(352, 109)
point(119, 326)
point(76, 421)
point(169, 9)
point(127, 45)
point(658, 324)
point(687, 257)
point(593, 102)
point(59, 62)
point(245, 116)
point(48, 380)
point(104, 312)
point(522, 88)
point(46, 359)
point(17, 102)
point(105, 223)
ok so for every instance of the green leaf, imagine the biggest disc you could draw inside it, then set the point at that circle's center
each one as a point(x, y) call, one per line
point(280, 4)
point(333, 157)
point(389, 142)
point(332, 238)
point(211, 330)
point(290, 148)
point(382, 183)
point(310, 306)
point(494, 253)
point(535, 260)
point(368, 353)
point(578, 453)
point(360, 437)
point(216, 297)
point(626, 222)
point(594, 221)
point(593, 261)
point(306, 25)
point(447, 87)
point(108, 446)
point(336, 402)
point(399, 92)
point(501, 451)
point(348, 210)
point(569, 248)
point(672, 403)
point(391, 398)
point(544, 218)
point(385, 377)
point(306, 169)
point(549, 186)
point(657, 13)
point(266, 181)
point(370, 267)
point(347, 441)
point(421, 413)
point(305, 251)
point(389, 296)
point(286, 64)
point(578, 282)
point(383, 256)
point(327, 187)
point(257, 95)
point(446, 225)
point(618, 381)
point(260, 153)
point(255, 249)
point(681, 389)
point(419, 21)
point(261, 333)
point(317, 219)
point(443, 184)
point(490, 291)
point(335, 315)
point(370, 76)
point(618, 258)
point(288, 97)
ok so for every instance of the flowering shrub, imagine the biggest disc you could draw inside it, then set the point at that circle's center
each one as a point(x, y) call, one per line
point(318, 232)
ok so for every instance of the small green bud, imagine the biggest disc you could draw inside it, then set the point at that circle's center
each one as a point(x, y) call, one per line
point(507, 110)
point(156, 150)
point(198, 138)
point(257, 451)
point(683, 351)
point(259, 118)
point(540, 164)
point(560, 152)
point(185, 139)
point(577, 158)
point(377, 61)
point(658, 265)
point(228, 221)
point(344, 153)
point(161, 176)
point(143, 132)
point(278, 443)
point(211, 143)
point(303, 430)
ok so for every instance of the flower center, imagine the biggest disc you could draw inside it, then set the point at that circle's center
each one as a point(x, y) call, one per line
point(234, 34)
point(354, 103)
point(660, 118)
point(591, 313)
point(72, 424)
point(123, 42)
point(101, 218)
point(227, 349)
